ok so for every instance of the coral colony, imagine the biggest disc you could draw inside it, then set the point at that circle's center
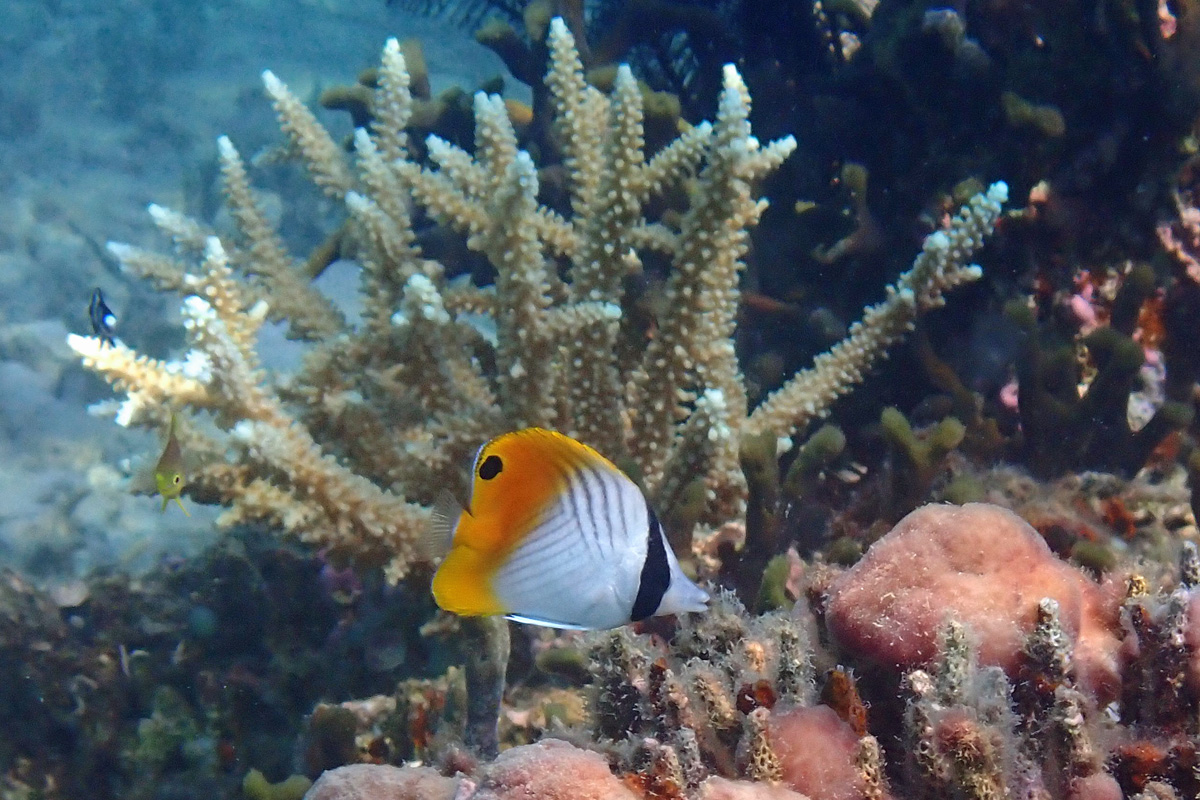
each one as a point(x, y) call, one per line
point(406, 390)
point(962, 657)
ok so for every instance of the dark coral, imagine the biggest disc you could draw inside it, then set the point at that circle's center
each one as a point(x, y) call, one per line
point(179, 681)
point(1062, 430)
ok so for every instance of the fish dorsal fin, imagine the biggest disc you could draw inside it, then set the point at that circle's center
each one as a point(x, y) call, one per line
point(442, 521)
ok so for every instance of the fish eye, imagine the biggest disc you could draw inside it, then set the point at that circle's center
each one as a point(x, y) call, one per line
point(490, 467)
point(177, 479)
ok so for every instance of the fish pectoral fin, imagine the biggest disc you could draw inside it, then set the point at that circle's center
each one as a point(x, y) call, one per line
point(547, 623)
point(439, 536)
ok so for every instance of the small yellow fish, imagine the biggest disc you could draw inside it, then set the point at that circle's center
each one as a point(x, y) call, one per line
point(168, 472)
point(554, 534)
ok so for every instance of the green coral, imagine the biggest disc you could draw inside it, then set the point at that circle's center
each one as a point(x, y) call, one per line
point(813, 457)
point(772, 593)
point(255, 786)
point(1064, 430)
point(918, 459)
point(164, 736)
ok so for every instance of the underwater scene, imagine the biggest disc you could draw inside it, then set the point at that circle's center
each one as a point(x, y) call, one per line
point(600, 400)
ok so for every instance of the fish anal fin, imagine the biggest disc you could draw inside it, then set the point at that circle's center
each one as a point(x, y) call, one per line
point(463, 584)
point(546, 623)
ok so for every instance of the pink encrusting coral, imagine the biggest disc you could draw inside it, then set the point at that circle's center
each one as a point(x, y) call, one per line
point(817, 751)
point(1100, 786)
point(717, 788)
point(985, 567)
point(383, 782)
point(550, 770)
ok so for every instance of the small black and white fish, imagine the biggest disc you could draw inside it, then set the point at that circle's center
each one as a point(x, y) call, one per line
point(103, 319)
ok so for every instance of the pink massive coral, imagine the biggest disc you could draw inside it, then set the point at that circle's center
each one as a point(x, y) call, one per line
point(817, 753)
point(984, 566)
point(547, 770)
point(383, 782)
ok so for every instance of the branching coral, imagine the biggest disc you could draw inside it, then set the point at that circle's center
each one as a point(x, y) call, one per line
point(1097, 423)
point(349, 452)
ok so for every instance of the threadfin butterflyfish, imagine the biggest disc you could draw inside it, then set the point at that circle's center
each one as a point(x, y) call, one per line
point(555, 534)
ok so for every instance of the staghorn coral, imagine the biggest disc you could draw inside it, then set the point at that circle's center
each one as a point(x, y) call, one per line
point(348, 453)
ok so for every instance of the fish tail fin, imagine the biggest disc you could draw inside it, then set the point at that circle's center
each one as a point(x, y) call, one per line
point(682, 595)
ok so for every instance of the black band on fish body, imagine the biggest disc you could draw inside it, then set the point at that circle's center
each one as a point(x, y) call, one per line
point(656, 572)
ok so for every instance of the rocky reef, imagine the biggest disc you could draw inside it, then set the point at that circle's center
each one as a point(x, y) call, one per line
point(978, 580)
point(960, 658)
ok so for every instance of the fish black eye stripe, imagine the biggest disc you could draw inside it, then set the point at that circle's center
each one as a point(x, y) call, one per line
point(491, 467)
